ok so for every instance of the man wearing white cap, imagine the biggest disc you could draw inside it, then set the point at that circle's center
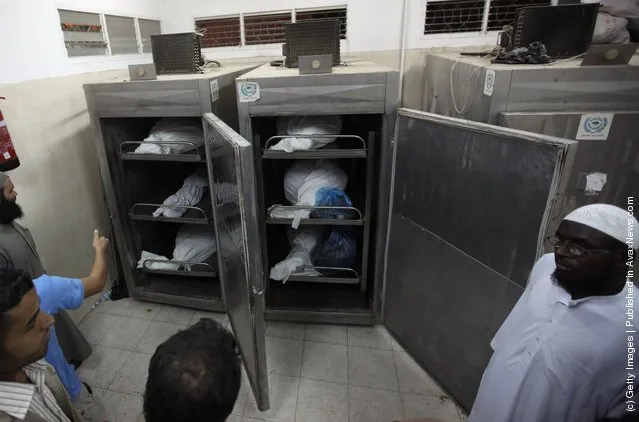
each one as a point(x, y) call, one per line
point(562, 353)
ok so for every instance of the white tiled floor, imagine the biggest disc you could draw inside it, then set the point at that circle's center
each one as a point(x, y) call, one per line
point(316, 373)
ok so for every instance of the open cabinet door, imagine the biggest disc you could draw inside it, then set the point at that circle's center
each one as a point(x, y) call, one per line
point(232, 177)
point(471, 205)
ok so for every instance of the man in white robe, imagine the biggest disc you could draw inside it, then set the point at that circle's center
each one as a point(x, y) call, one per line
point(562, 355)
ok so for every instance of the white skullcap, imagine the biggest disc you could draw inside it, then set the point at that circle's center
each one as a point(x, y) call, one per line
point(616, 222)
point(3, 179)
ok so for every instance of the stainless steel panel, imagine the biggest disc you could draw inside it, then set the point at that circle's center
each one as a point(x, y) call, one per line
point(471, 203)
point(230, 161)
point(171, 95)
point(560, 86)
point(109, 192)
point(188, 302)
point(468, 89)
point(617, 157)
point(226, 106)
point(315, 64)
point(319, 94)
point(358, 88)
point(443, 306)
point(383, 205)
point(575, 89)
point(141, 72)
point(147, 98)
point(486, 190)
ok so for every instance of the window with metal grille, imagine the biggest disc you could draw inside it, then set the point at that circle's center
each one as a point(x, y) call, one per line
point(444, 17)
point(504, 12)
point(265, 29)
point(454, 16)
point(148, 28)
point(220, 32)
point(83, 34)
point(121, 34)
point(339, 13)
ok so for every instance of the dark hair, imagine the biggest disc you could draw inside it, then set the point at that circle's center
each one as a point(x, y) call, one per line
point(14, 284)
point(9, 210)
point(194, 376)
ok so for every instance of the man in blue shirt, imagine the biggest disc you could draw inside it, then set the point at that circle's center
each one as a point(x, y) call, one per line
point(57, 293)
point(18, 251)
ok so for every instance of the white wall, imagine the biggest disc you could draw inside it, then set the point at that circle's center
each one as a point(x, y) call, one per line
point(373, 25)
point(32, 43)
point(365, 19)
point(58, 181)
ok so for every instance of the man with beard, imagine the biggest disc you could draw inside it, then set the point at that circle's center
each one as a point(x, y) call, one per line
point(30, 391)
point(18, 251)
point(561, 354)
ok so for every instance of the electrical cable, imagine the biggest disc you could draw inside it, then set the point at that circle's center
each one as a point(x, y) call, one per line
point(348, 62)
point(211, 64)
point(460, 112)
point(402, 65)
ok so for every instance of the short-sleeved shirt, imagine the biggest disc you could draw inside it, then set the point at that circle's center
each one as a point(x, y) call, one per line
point(18, 250)
point(556, 359)
point(60, 293)
point(36, 398)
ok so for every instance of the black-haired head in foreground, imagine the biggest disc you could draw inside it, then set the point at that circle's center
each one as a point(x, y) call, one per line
point(194, 376)
point(24, 329)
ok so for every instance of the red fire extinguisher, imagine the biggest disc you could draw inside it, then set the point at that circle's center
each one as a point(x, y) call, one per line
point(8, 157)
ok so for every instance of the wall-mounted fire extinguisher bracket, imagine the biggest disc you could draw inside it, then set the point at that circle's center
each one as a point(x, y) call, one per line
point(8, 157)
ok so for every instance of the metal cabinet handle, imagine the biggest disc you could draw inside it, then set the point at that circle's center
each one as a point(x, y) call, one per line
point(180, 263)
point(278, 137)
point(314, 207)
point(144, 204)
point(195, 147)
point(319, 269)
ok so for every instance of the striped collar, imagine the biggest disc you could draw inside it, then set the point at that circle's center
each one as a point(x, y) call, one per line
point(16, 397)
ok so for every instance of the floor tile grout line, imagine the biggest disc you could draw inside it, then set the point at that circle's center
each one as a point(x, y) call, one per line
point(386, 390)
point(401, 403)
point(136, 349)
point(123, 316)
point(124, 392)
point(158, 312)
point(119, 371)
point(120, 349)
point(299, 381)
point(97, 311)
point(368, 347)
point(114, 391)
point(248, 399)
point(348, 381)
point(286, 338)
point(399, 387)
point(312, 341)
point(136, 345)
point(104, 335)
